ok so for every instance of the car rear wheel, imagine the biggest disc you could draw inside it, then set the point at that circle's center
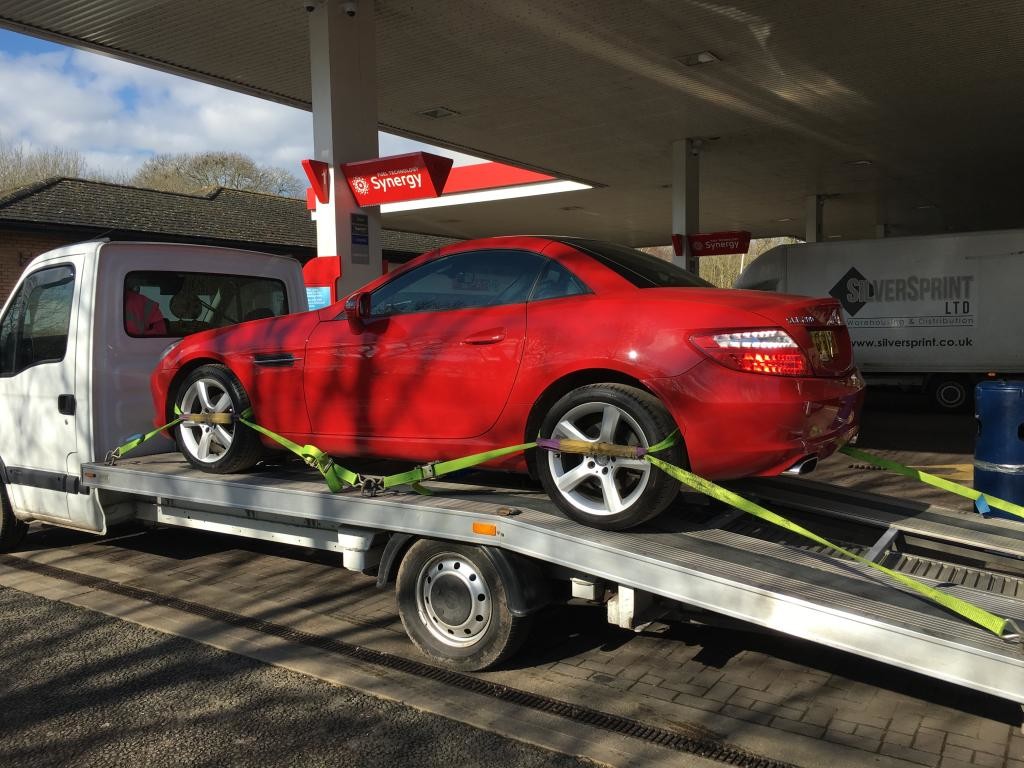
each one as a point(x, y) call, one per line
point(608, 492)
point(220, 448)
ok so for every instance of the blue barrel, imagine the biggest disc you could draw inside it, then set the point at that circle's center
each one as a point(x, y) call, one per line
point(999, 450)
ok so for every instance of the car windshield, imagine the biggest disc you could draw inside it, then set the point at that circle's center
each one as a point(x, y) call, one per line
point(641, 269)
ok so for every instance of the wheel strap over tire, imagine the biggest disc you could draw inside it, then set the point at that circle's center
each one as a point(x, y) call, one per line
point(982, 500)
point(586, 447)
point(1002, 627)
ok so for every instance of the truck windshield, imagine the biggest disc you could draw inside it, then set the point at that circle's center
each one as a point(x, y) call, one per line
point(172, 304)
point(641, 269)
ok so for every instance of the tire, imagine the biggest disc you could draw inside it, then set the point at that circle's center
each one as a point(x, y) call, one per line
point(12, 530)
point(454, 606)
point(609, 493)
point(215, 448)
point(950, 394)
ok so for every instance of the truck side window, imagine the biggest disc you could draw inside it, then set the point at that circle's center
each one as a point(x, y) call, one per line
point(171, 304)
point(35, 327)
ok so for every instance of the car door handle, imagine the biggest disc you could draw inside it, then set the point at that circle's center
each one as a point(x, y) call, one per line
point(490, 336)
point(66, 405)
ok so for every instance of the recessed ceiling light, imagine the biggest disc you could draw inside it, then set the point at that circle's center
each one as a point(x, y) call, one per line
point(696, 59)
point(925, 207)
point(862, 163)
point(784, 219)
point(436, 113)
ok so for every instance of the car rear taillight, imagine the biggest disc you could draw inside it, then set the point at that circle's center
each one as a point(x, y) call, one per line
point(768, 350)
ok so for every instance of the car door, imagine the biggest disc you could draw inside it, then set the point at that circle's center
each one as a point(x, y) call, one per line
point(435, 358)
point(37, 375)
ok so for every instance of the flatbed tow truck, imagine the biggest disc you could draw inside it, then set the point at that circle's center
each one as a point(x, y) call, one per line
point(475, 561)
point(699, 555)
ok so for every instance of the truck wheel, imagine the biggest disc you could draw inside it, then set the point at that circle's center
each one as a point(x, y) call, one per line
point(217, 448)
point(12, 530)
point(454, 606)
point(607, 492)
point(951, 394)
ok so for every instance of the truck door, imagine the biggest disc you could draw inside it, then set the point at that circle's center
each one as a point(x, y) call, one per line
point(37, 395)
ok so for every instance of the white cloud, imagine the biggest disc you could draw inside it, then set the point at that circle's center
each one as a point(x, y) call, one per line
point(117, 114)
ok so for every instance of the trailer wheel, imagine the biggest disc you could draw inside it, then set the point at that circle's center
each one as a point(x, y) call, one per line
point(12, 530)
point(219, 448)
point(604, 492)
point(454, 606)
point(951, 394)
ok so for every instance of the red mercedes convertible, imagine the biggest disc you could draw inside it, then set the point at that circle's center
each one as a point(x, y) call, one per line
point(495, 342)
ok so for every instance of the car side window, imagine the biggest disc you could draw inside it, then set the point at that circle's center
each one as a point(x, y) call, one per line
point(557, 282)
point(460, 281)
point(35, 327)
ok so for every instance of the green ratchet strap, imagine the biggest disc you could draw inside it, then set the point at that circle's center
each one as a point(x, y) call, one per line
point(135, 441)
point(947, 485)
point(999, 626)
point(665, 444)
point(438, 468)
point(337, 477)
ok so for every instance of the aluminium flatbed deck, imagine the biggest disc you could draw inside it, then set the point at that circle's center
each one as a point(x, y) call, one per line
point(697, 554)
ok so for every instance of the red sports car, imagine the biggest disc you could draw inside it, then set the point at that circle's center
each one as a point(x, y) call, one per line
point(493, 342)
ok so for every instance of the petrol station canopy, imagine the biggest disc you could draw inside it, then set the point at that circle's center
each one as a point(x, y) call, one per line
point(906, 116)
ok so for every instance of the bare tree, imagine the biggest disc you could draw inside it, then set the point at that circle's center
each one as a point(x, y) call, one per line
point(184, 172)
point(20, 166)
point(723, 270)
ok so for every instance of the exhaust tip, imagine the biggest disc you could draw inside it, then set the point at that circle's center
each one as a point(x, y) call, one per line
point(803, 466)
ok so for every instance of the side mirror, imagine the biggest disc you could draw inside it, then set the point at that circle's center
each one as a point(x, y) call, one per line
point(357, 306)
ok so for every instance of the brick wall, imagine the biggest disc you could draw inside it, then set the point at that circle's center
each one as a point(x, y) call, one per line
point(17, 249)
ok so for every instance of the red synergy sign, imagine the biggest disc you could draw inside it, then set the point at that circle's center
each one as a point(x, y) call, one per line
point(719, 243)
point(397, 178)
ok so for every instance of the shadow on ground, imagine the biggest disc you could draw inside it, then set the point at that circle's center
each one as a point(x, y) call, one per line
point(903, 421)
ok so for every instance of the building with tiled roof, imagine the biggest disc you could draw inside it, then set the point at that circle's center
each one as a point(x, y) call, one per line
point(57, 211)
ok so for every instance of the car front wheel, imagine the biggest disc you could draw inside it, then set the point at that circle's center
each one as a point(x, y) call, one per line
point(216, 447)
point(608, 492)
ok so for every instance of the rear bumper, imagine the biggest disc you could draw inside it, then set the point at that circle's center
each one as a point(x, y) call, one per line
point(739, 424)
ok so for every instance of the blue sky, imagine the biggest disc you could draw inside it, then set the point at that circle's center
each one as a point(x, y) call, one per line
point(118, 114)
point(12, 42)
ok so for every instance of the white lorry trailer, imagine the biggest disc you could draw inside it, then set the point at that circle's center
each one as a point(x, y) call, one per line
point(474, 563)
point(937, 312)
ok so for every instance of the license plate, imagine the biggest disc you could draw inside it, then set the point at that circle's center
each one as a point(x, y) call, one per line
point(825, 344)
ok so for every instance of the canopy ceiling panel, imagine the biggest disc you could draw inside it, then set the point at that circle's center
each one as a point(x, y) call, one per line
point(804, 95)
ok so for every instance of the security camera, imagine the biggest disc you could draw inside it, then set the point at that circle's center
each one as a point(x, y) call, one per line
point(310, 6)
point(350, 7)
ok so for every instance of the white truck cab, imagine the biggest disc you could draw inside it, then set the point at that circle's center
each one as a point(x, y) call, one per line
point(79, 336)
